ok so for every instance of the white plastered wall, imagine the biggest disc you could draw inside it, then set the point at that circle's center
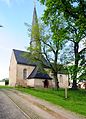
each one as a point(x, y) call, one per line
point(12, 70)
point(20, 68)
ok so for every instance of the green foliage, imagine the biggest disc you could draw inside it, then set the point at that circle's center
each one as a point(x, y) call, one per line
point(82, 66)
point(68, 7)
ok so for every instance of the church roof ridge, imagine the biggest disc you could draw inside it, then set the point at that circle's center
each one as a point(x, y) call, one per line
point(19, 50)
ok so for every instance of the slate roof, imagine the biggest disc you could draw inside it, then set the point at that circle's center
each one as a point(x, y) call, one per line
point(38, 75)
point(19, 55)
point(21, 59)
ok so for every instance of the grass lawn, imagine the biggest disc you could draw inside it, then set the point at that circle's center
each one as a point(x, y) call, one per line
point(75, 102)
point(5, 87)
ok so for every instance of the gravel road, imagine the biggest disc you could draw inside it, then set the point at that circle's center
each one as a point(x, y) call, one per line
point(8, 110)
point(30, 107)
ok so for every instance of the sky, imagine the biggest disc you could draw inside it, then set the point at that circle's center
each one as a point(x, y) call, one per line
point(13, 34)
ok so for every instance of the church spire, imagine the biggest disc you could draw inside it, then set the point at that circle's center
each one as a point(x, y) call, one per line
point(34, 3)
point(34, 21)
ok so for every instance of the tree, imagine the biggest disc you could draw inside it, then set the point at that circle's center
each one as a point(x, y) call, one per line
point(71, 8)
point(82, 65)
point(49, 45)
point(76, 34)
point(74, 12)
point(67, 55)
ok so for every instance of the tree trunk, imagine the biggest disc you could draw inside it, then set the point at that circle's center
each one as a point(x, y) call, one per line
point(74, 86)
point(76, 47)
point(56, 80)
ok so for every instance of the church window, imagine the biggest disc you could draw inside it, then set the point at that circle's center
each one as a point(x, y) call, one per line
point(24, 73)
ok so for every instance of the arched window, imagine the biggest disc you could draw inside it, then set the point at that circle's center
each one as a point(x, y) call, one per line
point(24, 73)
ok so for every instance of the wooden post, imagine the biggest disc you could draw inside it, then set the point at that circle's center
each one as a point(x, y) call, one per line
point(65, 92)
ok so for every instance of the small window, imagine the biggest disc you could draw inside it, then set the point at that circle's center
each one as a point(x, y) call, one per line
point(24, 73)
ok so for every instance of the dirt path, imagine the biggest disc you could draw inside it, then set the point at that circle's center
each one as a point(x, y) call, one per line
point(39, 109)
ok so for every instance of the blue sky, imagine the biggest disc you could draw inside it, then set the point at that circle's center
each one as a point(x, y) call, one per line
point(14, 35)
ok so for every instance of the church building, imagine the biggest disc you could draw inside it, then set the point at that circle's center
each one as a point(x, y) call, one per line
point(23, 72)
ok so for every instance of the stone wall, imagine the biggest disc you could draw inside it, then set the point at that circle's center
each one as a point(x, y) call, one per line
point(12, 71)
point(63, 80)
point(16, 76)
point(30, 82)
point(39, 83)
point(19, 79)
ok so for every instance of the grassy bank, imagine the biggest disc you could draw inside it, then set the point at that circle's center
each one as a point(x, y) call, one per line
point(5, 87)
point(75, 102)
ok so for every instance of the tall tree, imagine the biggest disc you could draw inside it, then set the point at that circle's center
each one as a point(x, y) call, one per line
point(74, 11)
point(76, 34)
point(50, 44)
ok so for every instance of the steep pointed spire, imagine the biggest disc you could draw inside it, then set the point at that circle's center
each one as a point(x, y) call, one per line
point(35, 19)
point(34, 22)
point(34, 3)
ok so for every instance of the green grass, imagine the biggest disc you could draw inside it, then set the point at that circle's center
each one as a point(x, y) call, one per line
point(5, 87)
point(75, 102)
